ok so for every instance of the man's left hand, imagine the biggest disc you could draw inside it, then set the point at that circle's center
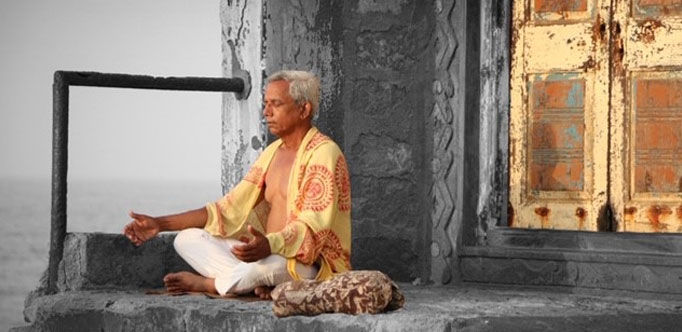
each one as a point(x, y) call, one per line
point(256, 249)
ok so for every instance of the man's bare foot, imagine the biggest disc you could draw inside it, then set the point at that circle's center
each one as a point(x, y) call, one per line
point(263, 292)
point(188, 282)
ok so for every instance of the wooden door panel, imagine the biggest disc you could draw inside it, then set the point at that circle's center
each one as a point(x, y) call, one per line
point(553, 10)
point(568, 48)
point(557, 134)
point(654, 8)
point(647, 99)
point(657, 112)
point(652, 42)
point(559, 107)
point(654, 170)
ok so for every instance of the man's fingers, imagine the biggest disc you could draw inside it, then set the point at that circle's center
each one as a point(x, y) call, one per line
point(239, 250)
point(129, 232)
point(254, 231)
point(143, 236)
point(137, 216)
point(243, 254)
point(254, 250)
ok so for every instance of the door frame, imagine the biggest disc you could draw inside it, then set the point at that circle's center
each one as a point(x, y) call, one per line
point(489, 251)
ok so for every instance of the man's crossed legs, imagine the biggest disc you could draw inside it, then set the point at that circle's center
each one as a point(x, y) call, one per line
point(221, 272)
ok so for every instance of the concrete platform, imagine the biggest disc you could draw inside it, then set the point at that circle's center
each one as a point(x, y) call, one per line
point(428, 308)
point(103, 279)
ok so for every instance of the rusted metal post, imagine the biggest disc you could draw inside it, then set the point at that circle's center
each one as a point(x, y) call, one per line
point(60, 138)
point(60, 134)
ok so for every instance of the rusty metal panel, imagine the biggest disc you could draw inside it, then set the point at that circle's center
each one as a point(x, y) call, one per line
point(553, 10)
point(656, 7)
point(654, 170)
point(657, 110)
point(557, 133)
point(548, 6)
point(559, 114)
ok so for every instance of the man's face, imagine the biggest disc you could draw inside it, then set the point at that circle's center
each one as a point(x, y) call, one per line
point(281, 111)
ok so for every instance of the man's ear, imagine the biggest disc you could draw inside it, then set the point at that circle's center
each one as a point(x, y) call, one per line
point(307, 110)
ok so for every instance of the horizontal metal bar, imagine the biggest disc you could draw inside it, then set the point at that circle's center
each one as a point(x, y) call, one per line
point(216, 84)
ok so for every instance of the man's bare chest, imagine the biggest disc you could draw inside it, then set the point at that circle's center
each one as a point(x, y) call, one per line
point(277, 176)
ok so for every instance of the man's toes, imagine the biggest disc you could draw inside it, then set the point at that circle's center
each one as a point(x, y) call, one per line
point(263, 292)
point(170, 277)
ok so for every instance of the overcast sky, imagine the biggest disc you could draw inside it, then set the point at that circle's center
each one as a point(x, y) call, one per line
point(114, 133)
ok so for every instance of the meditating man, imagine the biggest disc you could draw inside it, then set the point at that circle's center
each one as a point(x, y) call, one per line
point(289, 218)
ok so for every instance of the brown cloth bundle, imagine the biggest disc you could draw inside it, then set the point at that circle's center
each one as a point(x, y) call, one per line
point(352, 292)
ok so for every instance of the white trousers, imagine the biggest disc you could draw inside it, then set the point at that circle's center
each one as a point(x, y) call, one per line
point(212, 257)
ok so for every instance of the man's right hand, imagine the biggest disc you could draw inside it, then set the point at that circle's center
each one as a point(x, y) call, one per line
point(141, 229)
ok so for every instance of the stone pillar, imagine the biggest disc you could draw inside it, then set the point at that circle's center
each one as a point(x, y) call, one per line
point(388, 71)
point(447, 121)
point(375, 60)
point(243, 132)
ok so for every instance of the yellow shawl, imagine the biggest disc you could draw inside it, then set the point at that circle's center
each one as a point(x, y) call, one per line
point(318, 207)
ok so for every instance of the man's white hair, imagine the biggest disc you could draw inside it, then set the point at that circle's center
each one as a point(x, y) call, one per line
point(303, 86)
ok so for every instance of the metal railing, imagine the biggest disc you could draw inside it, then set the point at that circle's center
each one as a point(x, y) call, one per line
point(60, 134)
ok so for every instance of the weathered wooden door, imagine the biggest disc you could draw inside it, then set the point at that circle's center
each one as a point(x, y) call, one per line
point(596, 115)
point(646, 172)
point(559, 114)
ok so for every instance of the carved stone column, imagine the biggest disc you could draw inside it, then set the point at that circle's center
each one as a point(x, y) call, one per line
point(447, 128)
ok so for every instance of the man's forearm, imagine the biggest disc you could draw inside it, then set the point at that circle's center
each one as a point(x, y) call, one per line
point(177, 222)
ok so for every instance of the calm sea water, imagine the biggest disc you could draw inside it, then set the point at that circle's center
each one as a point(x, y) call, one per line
point(93, 206)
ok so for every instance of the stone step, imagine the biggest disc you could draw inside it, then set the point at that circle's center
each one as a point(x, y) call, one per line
point(103, 278)
point(427, 308)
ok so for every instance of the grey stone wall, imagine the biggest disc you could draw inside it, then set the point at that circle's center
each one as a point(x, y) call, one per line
point(388, 72)
point(375, 60)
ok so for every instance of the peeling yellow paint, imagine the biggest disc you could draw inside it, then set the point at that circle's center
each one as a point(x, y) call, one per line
point(559, 114)
point(628, 152)
point(647, 119)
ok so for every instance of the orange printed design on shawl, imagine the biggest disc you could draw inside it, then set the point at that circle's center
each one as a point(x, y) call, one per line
point(326, 244)
point(306, 252)
point(222, 206)
point(316, 140)
point(329, 246)
point(317, 192)
point(343, 184)
point(299, 178)
point(292, 217)
point(255, 176)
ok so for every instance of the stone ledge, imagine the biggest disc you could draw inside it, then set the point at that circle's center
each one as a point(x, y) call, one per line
point(103, 278)
point(648, 275)
point(428, 308)
point(106, 261)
